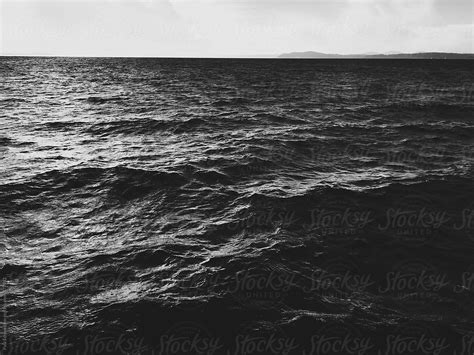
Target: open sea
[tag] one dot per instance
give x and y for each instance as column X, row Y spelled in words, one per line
column 236, row 206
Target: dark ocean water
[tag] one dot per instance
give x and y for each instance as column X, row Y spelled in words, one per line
column 176, row 206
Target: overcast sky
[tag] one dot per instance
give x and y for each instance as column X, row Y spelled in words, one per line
column 226, row 28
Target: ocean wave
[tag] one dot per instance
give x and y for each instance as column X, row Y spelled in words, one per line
column 12, row 100
column 146, row 126
column 235, row 101
column 98, row 100
column 12, row 270
column 118, row 182
column 279, row 196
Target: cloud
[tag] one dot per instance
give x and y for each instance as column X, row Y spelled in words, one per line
column 233, row 27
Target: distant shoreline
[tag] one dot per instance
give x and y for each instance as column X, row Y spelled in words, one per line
column 421, row 55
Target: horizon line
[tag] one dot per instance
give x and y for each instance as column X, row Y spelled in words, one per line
column 261, row 56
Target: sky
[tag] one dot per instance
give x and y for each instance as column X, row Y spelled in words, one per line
column 233, row 28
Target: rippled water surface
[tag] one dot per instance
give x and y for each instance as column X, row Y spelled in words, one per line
column 148, row 197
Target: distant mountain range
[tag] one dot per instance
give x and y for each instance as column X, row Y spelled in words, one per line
column 390, row 55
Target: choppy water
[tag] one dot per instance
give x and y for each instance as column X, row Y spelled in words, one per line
column 174, row 206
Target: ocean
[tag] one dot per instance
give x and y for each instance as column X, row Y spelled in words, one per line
column 236, row 206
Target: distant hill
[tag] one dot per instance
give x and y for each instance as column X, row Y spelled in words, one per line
column 310, row 55
column 433, row 55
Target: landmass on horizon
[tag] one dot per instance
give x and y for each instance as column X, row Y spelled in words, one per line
column 391, row 55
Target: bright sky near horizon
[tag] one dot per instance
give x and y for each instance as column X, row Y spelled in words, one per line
column 225, row 28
